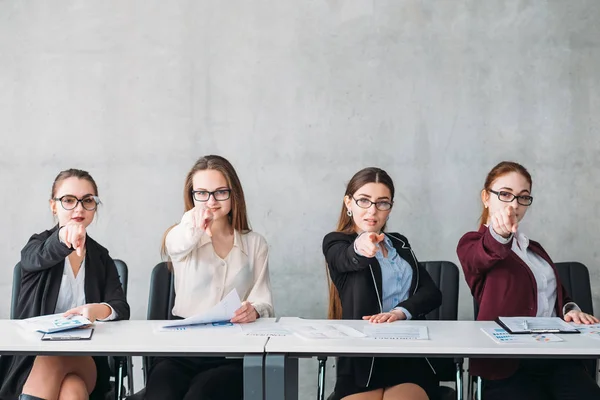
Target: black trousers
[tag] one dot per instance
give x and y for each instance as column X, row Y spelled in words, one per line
column 544, row 380
column 195, row 378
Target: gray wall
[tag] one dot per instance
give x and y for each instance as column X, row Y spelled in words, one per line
column 299, row 96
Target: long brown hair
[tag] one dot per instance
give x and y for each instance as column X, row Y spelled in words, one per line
column 238, row 217
column 503, row 168
column 346, row 224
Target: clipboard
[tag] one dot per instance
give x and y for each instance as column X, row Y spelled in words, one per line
column 527, row 325
column 73, row 334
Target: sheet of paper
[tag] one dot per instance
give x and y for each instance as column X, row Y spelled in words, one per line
column 53, row 323
column 523, row 324
column 325, row 331
column 500, row 335
column 265, row 329
column 214, row 327
column 396, row 331
column 223, row 311
column 591, row 331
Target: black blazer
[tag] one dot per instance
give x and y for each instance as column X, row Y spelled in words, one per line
column 358, row 281
column 42, row 261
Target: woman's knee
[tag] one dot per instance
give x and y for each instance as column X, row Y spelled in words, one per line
column 405, row 391
column 73, row 388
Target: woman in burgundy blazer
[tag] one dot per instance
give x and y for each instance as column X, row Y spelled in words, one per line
column 510, row 275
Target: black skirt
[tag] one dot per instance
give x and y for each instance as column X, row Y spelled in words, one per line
column 388, row 372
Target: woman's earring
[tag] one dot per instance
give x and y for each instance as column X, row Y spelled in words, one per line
column 349, row 212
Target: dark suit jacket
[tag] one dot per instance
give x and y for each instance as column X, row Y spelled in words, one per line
column 358, row 281
column 42, row 261
column 503, row 286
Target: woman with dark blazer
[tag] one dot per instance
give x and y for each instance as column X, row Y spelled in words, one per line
column 65, row 271
column 375, row 276
column 511, row 275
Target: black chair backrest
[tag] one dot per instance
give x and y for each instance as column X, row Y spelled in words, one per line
column 576, row 280
column 161, row 299
column 445, row 275
column 162, row 293
column 16, row 284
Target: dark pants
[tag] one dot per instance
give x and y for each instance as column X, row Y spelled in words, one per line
column 195, row 378
column 544, row 380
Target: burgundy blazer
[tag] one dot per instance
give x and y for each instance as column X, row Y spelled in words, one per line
column 503, row 285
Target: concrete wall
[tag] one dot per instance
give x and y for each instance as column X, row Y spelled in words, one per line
column 299, row 96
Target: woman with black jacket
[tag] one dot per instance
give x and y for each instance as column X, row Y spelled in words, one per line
column 375, row 276
column 65, row 271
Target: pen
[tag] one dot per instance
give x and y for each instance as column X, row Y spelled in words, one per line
column 545, row 330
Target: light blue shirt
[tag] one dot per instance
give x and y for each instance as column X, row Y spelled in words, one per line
column 396, row 277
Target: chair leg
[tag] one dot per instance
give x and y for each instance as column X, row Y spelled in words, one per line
column 130, row 387
column 321, row 378
column 459, row 378
column 119, row 380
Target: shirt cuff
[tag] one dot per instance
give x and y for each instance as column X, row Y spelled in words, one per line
column 405, row 311
column 499, row 238
column 570, row 306
column 112, row 316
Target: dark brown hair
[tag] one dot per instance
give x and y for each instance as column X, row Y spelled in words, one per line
column 237, row 216
column 346, row 224
column 72, row 173
column 503, row 168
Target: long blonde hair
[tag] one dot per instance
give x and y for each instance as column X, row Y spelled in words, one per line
column 238, row 217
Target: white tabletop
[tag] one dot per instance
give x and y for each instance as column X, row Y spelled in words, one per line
column 133, row 338
column 446, row 338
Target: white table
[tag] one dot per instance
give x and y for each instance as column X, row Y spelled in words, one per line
column 447, row 339
column 140, row 338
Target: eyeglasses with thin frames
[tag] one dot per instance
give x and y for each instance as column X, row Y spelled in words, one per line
column 69, row 202
column 508, row 197
column 381, row 205
column 218, row 195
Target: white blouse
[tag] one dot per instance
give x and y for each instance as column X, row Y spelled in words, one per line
column 72, row 290
column 202, row 278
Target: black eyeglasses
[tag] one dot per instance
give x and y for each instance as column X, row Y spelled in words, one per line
column 218, row 195
column 69, row 202
column 508, row 197
column 381, row 205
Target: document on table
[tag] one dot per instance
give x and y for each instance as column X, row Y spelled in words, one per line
column 267, row 329
column 325, row 331
column 214, row 327
column 396, row 330
column 500, row 335
column 528, row 325
column 223, row 311
column 54, row 323
column 591, row 331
